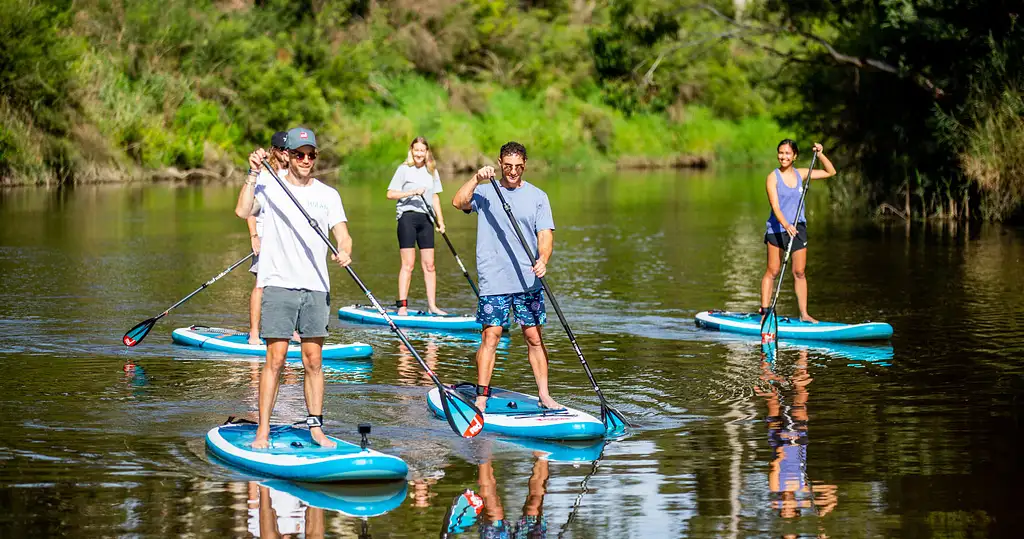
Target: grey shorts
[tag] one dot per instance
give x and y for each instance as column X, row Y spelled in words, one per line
column 285, row 310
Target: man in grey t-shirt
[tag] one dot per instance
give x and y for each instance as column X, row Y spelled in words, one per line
column 507, row 280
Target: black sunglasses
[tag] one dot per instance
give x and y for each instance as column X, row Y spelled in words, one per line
column 299, row 156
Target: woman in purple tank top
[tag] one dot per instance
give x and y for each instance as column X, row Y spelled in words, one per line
column 785, row 186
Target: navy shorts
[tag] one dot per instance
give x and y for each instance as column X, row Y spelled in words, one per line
column 528, row 306
column 781, row 239
column 414, row 228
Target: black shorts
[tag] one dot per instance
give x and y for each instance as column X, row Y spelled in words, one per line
column 415, row 228
column 781, row 239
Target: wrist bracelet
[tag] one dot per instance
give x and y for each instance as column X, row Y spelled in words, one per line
column 255, row 236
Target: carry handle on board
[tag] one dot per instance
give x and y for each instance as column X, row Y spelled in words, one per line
column 463, row 416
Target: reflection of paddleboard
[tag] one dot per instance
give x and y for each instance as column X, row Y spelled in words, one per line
column 793, row 328
column 293, row 455
column 415, row 319
column 236, row 342
column 876, row 353
column 561, row 451
column 462, row 513
column 359, row 500
column 516, row 414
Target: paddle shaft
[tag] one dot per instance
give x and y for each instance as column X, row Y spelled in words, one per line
column 206, row 284
column 547, row 289
column 391, row 323
column 433, row 220
column 789, row 247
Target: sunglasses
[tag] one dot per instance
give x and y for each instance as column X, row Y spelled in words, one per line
column 299, row 156
column 510, row 168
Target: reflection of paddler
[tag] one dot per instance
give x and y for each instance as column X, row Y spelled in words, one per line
column 532, row 523
column 790, row 486
column 281, row 515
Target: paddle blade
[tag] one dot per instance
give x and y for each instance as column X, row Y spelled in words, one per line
column 614, row 422
column 462, row 514
column 139, row 332
column 463, row 416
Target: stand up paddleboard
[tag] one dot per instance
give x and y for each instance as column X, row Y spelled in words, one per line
column 292, row 455
column 516, row 414
column 236, row 342
column 415, row 319
column 793, row 328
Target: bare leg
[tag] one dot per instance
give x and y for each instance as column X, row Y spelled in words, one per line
column 405, row 276
column 277, row 349
column 800, row 283
column 430, row 279
column 313, row 385
column 539, row 362
column 485, row 360
column 255, row 303
column 489, row 492
column 770, row 274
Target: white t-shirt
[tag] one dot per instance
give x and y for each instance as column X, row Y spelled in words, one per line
column 292, row 254
column 408, row 178
column 290, row 512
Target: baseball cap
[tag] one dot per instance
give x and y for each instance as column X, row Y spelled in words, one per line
column 279, row 139
column 299, row 137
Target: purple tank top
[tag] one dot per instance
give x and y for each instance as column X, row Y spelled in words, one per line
column 789, row 200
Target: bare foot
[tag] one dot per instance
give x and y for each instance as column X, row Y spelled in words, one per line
column 807, row 318
column 548, row 402
column 402, row 311
column 481, row 403
column 254, row 339
column 321, row 439
column 435, row 310
column 296, row 337
column 262, row 440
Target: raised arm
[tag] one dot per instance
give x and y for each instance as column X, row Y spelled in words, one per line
column 463, row 198
column 820, row 174
column 247, row 196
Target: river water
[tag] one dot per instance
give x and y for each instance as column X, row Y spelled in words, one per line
column 915, row 437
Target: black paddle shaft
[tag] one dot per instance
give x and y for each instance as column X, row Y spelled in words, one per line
column 547, row 289
column 789, row 247
column 433, row 219
column 359, row 282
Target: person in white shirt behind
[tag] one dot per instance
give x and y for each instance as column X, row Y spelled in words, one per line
column 293, row 273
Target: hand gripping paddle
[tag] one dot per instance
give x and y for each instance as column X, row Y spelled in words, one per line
column 463, row 416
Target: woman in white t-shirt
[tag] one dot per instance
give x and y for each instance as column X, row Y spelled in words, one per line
column 417, row 180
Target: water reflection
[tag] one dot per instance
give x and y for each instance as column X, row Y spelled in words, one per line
column 786, row 398
column 281, row 509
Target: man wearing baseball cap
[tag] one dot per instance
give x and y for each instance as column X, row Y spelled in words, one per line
column 293, row 272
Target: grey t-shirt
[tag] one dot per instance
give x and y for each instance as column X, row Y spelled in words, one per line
column 501, row 264
column 409, row 178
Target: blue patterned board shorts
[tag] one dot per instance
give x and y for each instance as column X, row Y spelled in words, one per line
column 529, row 308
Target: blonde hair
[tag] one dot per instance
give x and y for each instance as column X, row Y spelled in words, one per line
column 431, row 165
column 278, row 164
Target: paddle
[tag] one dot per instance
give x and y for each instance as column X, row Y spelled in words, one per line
column 614, row 422
column 433, row 220
column 136, row 334
column 463, row 416
column 771, row 319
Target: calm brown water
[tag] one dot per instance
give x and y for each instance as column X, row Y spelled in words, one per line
column 916, row 437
